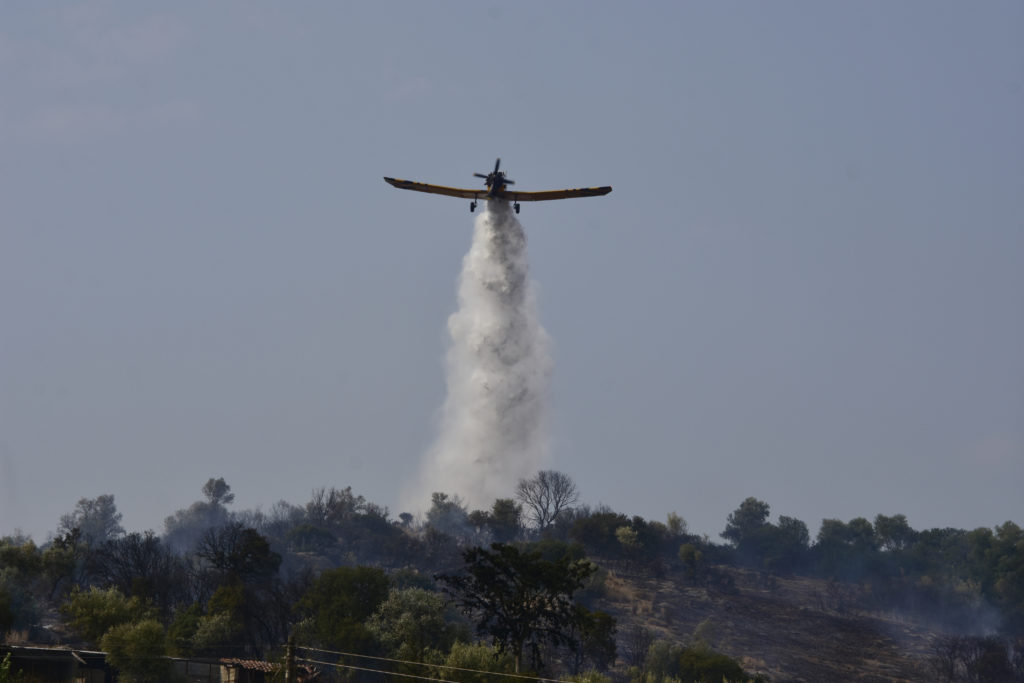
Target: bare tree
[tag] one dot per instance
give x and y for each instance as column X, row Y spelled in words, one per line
column 546, row 495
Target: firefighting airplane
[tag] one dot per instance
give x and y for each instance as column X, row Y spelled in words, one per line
column 497, row 189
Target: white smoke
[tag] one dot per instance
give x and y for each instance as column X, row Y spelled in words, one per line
column 492, row 430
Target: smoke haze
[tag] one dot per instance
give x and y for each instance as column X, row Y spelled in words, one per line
column 492, row 429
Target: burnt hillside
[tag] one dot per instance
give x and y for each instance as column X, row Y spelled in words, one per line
column 792, row 629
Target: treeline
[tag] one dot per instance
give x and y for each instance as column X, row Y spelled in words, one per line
column 342, row 574
column 968, row 581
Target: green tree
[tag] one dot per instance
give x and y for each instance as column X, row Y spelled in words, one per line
column 411, row 621
column 466, row 661
column 787, row 545
column 338, row 605
column 628, row 539
column 6, row 675
column 846, row 549
column 597, row 532
column 138, row 651
column 182, row 630
column 93, row 612
column 693, row 562
column 519, row 599
column 893, row 533
column 589, row 677
column 671, row 662
column 676, row 525
column 595, row 640
column 213, row 632
column 746, row 521
column 506, row 520
column 22, row 584
column 1006, row 560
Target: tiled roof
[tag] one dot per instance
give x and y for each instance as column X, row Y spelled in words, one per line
column 251, row 664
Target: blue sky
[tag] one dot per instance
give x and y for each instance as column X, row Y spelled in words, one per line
column 805, row 287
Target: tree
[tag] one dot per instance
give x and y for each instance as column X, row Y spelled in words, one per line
column 96, row 518
column 411, row 621
column 789, row 542
column 519, row 599
column 184, row 527
column 1006, row 563
column 546, row 495
column 238, row 553
column 138, row 651
column 218, row 492
column 6, row 675
column 746, row 521
column 333, row 508
column 465, row 660
column 694, row 567
column 141, row 565
column 598, row 532
column 506, row 520
column 666, row 661
column 846, row 550
column 893, row 533
column 21, row 584
column 64, row 562
column 93, row 612
column 676, row 525
column 448, row 515
column 596, row 640
column 338, row 605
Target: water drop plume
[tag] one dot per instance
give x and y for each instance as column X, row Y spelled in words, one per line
column 492, row 428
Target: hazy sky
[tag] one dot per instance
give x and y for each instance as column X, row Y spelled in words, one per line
column 807, row 285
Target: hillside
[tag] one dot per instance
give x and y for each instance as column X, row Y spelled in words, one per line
column 792, row 629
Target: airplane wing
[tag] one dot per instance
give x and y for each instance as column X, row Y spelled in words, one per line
column 555, row 194
column 436, row 189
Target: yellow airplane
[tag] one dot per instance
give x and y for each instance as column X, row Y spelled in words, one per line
column 497, row 189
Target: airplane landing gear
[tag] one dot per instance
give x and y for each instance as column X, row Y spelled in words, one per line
column 472, row 207
column 516, row 207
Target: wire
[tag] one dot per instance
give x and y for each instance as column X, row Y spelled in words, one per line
column 378, row 671
column 436, row 666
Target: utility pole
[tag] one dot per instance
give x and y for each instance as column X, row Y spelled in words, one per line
column 289, row 661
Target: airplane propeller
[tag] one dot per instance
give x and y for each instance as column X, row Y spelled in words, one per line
column 494, row 174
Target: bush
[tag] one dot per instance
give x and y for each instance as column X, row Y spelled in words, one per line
column 667, row 662
column 138, row 651
column 93, row 612
column 478, row 658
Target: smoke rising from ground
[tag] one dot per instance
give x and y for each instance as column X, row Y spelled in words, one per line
column 492, row 429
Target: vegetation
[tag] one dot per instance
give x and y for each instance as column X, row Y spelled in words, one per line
column 138, row 650
column 521, row 600
column 528, row 576
column 6, row 675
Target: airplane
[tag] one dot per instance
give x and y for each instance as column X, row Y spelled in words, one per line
column 497, row 185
